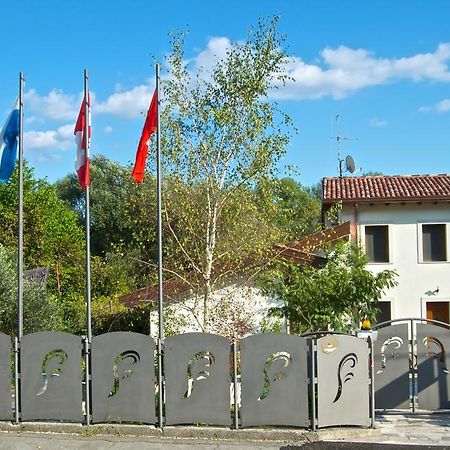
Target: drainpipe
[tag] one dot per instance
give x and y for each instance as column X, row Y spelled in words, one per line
column 354, row 233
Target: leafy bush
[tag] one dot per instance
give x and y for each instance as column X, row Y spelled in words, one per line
column 40, row 311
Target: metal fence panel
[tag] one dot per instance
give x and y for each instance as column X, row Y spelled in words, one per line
column 342, row 381
column 6, row 412
column 274, row 380
column 433, row 347
column 123, row 377
column 391, row 355
column 51, row 376
column 197, row 374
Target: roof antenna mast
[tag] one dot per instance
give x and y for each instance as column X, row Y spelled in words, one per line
column 349, row 162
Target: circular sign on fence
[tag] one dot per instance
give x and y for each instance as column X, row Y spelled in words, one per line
column 329, row 346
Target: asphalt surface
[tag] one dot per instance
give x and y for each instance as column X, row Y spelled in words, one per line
column 58, row 442
column 356, row 446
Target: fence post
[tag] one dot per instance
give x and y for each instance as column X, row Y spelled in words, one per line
column 87, row 400
column 160, row 350
column 313, row 348
column 235, row 386
column 372, row 383
column 16, row 379
column 413, row 363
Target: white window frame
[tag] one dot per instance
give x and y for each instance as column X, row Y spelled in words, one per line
column 430, row 299
column 362, row 234
column 420, row 242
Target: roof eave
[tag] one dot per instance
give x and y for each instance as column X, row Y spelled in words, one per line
column 437, row 199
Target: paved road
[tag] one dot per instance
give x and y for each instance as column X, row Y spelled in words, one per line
column 27, row 441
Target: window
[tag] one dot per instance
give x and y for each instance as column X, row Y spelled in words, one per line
column 434, row 242
column 377, row 243
column 384, row 312
column 438, row 311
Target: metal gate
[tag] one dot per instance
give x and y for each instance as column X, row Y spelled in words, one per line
column 410, row 365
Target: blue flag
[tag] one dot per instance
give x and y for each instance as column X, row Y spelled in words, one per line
column 8, row 142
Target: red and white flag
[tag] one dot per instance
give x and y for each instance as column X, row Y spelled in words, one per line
column 150, row 126
column 82, row 161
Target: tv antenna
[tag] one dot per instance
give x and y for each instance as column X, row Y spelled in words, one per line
column 349, row 162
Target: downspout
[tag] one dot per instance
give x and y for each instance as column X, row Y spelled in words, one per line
column 355, row 223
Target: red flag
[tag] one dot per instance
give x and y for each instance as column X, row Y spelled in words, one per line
column 82, row 161
column 150, row 126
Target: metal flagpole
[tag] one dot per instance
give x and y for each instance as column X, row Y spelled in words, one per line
column 160, row 272
column 19, row 258
column 88, row 251
column 20, row 238
column 87, row 214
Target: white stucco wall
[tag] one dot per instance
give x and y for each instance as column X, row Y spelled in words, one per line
column 251, row 298
column 417, row 279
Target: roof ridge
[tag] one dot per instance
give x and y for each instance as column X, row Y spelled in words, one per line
column 414, row 175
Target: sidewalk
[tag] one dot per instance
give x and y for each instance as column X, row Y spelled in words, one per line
column 418, row 429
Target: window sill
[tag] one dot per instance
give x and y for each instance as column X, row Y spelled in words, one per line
column 434, row 262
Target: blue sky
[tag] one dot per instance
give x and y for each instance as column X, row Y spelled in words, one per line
column 383, row 66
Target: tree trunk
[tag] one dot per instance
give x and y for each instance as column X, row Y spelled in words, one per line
column 209, row 257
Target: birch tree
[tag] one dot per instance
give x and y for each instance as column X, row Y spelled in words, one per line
column 221, row 134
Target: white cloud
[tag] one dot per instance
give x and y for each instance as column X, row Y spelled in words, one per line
column 344, row 70
column 108, row 129
column 48, row 157
column 377, row 122
column 442, row 106
column 55, row 105
column 215, row 50
column 60, row 139
column 340, row 72
column 32, row 119
column 128, row 104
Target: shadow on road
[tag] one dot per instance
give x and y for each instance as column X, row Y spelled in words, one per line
column 358, row 446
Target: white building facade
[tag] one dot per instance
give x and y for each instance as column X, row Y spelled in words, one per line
column 403, row 223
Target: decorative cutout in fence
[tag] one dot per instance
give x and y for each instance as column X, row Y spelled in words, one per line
column 391, row 351
column 123, row 381
column 411, row 365
column 342, row 386
column 274, row 380
column 197, row 373
column 433, row 344
column 51, row 376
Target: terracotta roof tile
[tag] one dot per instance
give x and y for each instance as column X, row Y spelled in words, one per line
column 300, row 251
column 383, row 188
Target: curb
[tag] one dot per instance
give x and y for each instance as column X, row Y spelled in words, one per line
column 191, row 432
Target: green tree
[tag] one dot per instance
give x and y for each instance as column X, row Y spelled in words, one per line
column 337, row 296
column 52, row 236
column 123, row 217
column 221, row 135
column 293, row 209
column 118, row 208
column 41, row 312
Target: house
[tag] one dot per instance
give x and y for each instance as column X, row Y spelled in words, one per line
column 403, row 223
column 184, row 305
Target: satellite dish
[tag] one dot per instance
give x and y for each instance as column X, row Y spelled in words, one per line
column 349, row 164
